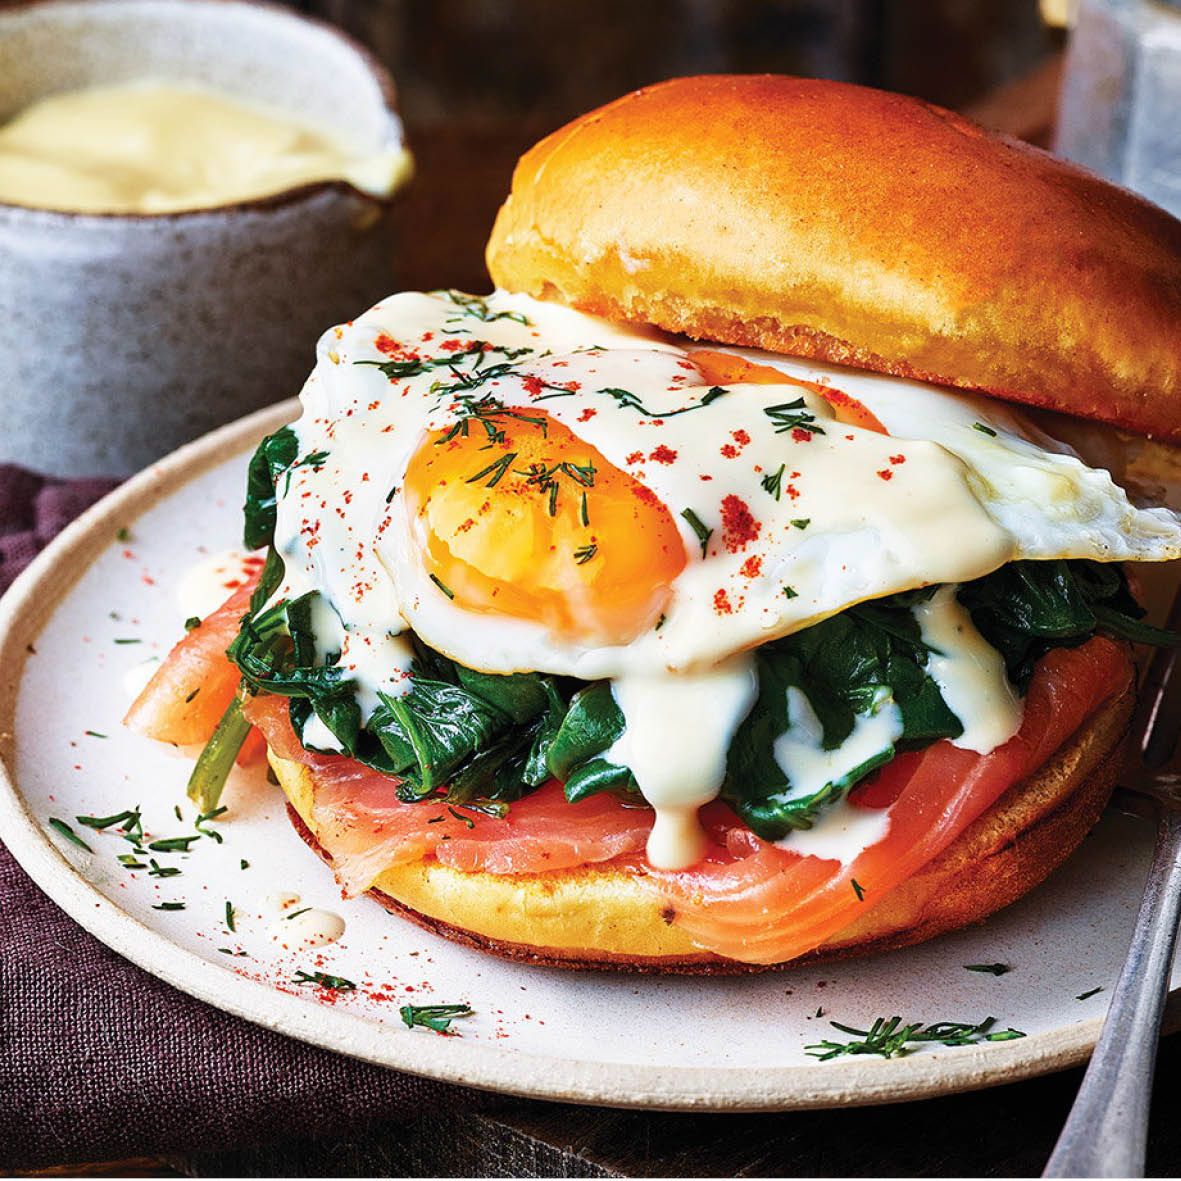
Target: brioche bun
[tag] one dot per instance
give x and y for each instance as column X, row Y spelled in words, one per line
column 604, row 918
column 857, row 227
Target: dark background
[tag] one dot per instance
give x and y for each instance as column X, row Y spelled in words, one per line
column 479, row 81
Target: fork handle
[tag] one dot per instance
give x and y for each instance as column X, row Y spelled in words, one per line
column 1107, row 1131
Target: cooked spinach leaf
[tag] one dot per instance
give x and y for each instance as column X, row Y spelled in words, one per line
column 476, row 738
column 275, row 455
column 591, row 725
column 1026, row 608
column 848, row 667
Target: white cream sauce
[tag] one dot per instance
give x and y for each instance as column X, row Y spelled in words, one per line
column 678, row 732
column 800, row 752
column 304, row 929
column 969, row 672
column 207, row 584
column 841, row 832
column 859, row 515
column 300, row 927
column 154, row 147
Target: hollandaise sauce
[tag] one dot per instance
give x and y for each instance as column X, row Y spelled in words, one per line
column 526, row 489
column 155, row 147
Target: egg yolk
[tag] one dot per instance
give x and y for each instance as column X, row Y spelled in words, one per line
column 535, row 524
column 727, row 369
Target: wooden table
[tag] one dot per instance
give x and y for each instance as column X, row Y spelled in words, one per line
column 1007, row 1131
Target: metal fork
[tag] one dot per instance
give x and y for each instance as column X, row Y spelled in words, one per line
column 1106, row 1132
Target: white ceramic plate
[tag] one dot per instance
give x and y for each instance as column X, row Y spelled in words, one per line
column 720, row 1044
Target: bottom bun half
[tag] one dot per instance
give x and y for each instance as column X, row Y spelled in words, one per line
column 597, row 917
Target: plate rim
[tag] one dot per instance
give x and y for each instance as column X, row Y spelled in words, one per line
column 32, row 600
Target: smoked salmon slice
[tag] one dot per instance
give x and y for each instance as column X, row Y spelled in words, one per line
column 185, row 699
column 364, row 826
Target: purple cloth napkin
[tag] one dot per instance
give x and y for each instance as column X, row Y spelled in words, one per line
column 99, row 1060
column 33, row 509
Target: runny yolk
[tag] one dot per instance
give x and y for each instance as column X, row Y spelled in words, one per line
column 727, row 369
column 539, row 526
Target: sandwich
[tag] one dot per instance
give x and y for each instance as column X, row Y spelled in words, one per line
column 711, row 595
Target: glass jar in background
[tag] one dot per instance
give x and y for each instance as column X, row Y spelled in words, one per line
column 1120, row 113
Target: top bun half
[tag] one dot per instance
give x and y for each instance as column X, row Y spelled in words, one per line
column 858, row 227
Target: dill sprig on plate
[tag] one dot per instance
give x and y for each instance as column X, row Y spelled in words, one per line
column 889, row 1038
column 436, row 1017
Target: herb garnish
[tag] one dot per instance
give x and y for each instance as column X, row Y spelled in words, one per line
column 436, row 1017
column 545, row 479
column 984, row 430
column 790, row 592
column 630, row 401
column 773, row 481
column 889, row 1038
column 460, row 816
column 442, row 586
column 169, row 906
column 60, row 826
column 585, row 553
column 1082, row 996
column 173, row 844
column 477, row 308
column 801, row 522
column 205, row 818
column 95, row 734
column 296, row 913
column 313, row 459
column 991, row 969
column 324, row 980
column 162, row 871
column 698, row 527
column 858, row 889
column 192, row 623
column 487, row 411
column 129, row 819
column 793, row 416
column 494, row 471
column 230, row 917
column 464, row 380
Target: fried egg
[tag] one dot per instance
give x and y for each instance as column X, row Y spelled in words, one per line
column 528, row 488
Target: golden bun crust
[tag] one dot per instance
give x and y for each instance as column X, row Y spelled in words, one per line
column 603, row 918
column 857, row 227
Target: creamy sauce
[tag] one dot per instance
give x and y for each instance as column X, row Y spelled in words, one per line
column 161, row 148
column 303, row 929
column 841, row 833
column 856, row 515
column 678, row 732
column 969, row 672
column 207, row 584
column 800, row 752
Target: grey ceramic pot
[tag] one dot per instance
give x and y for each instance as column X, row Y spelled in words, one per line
column 122, row 336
